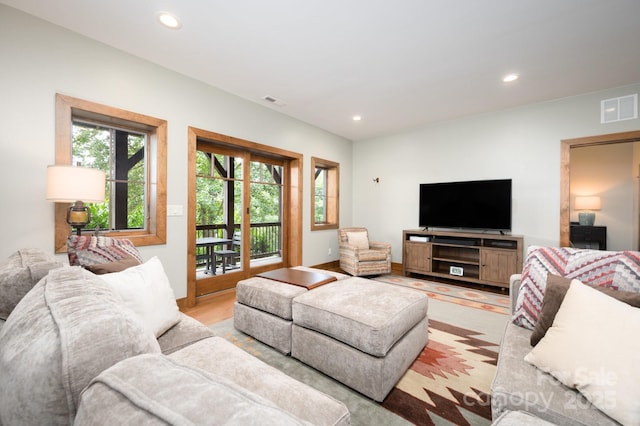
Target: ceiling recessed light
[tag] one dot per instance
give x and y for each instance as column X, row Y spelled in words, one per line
column 510, row 77
column 169, row 20
column 357, row 118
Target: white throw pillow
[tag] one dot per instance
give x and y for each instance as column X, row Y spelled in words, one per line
column 146, row 290
column 358, row 239
column 592, row 346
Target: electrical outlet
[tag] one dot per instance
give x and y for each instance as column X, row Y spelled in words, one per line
column 329, row 252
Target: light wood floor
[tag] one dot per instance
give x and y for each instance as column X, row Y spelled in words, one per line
column 213, row 308
column 218, row 307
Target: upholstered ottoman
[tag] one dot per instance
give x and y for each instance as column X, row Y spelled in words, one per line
column 263, row 308
column 360, row 332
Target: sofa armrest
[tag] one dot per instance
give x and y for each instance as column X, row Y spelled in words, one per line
column 347, row 246
column 186, row 332
column 514, row 289
column 127, row 394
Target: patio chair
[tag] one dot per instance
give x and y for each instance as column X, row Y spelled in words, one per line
column 361, row 257
column 229, row 257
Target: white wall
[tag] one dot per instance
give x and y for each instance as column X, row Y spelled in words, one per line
column 521, row 143
column 40, row 60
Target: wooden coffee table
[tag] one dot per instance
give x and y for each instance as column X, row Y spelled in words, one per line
column 297, row 277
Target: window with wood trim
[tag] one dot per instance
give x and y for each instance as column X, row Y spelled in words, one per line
column 325, row 198
column 131, row 149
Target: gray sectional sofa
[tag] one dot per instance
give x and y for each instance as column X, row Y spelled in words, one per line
column 548, row 275
column 72, row 353
column 519, row 386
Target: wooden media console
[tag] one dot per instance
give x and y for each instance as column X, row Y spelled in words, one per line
column 465, row 256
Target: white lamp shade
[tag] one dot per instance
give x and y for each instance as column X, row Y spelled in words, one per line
column 588, row 203
column 72, row 183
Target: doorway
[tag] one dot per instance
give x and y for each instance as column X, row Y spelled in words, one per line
column 567, row 146
column 244, row 211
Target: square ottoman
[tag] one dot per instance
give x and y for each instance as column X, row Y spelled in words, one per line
column 360, row 332
column 263, row 308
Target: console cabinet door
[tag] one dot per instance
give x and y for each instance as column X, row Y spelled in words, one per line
column 498, row 266
column 417, row 257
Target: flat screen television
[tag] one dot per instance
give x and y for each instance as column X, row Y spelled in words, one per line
column 474, row 205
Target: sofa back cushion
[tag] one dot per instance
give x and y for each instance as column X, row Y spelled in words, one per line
column 19, row 273
column 613, row 269
column 596, row 354
column 146, row 290
column 554, row 295
column 68, row 329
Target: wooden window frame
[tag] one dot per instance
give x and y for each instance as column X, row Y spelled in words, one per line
column 332, row 197
column 68, row 108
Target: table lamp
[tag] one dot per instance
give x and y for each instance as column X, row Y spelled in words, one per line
column 78, row 185
column 588, row 217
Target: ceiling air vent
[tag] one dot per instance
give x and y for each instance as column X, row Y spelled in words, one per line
column 273, row 101
column 618, row 109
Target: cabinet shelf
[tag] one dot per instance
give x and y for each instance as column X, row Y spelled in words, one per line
column 452, row 260
column 479, row 258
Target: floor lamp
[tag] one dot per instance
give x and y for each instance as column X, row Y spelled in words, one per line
column 77, row 185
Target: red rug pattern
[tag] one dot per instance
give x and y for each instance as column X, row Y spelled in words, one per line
column 450, row 379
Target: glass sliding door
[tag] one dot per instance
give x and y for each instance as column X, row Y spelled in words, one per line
column 266, row 194
column 219, row 199
column 244, row 214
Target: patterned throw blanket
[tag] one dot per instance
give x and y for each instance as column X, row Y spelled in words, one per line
column 614, row 269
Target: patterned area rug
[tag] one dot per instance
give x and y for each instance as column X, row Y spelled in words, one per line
column 472, row 298
column 448, row 384
column 449, row 381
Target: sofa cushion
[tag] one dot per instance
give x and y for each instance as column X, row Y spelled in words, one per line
column 84, row 250
column 519, row 385
column 174, row 394
column 145, row 289
column 598, row 358
column 554, row 295
column 372, row 255
column 186, row 332
column 358, row 239
column 19, row 273
column 338, row 311
column 70, row 327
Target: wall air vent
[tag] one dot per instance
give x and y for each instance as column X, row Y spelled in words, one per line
column 273, row 101
column 619, row 109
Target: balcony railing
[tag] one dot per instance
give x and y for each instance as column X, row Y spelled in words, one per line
column 265, row 239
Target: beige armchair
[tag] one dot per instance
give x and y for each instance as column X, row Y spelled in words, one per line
column 359, row 256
